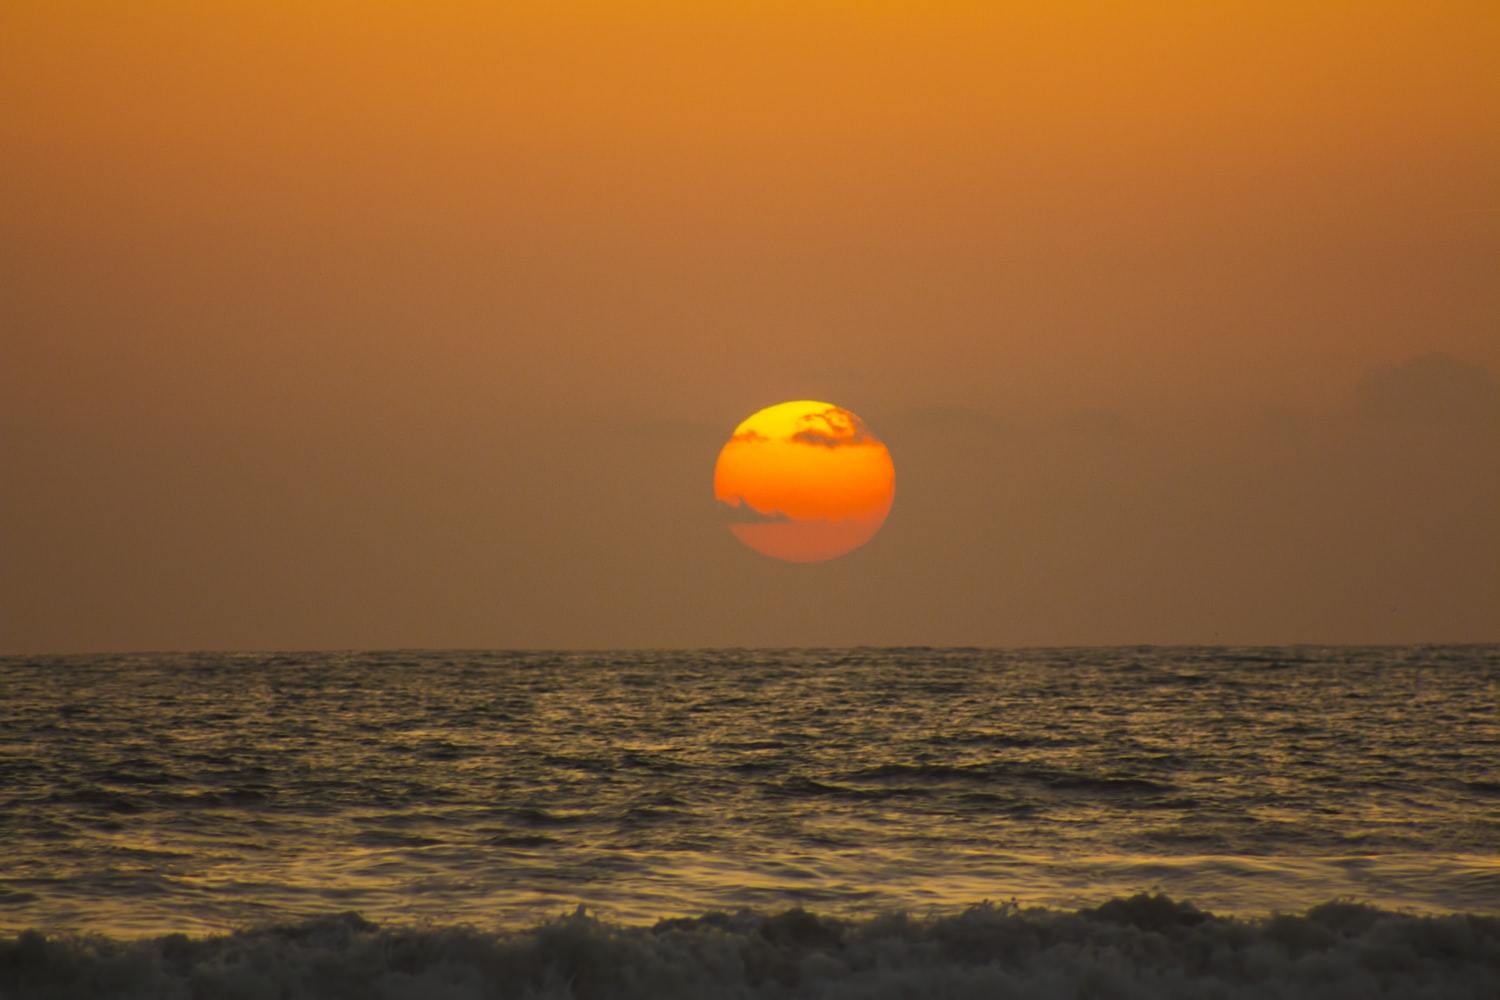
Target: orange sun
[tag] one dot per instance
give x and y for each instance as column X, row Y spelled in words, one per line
column 804, row 481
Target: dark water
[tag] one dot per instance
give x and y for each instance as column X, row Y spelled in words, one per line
column 150, row 794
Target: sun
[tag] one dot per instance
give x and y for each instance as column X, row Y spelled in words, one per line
column 804, row 481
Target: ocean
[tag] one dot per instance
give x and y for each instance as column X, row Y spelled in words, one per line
column 1144, row 821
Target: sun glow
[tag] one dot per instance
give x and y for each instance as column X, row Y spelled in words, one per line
column 804, row 481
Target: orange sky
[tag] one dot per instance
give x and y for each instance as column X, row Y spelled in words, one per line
column 381, row 324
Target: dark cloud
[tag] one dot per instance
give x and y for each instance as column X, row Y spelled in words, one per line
column 1431, row 389
column 739, row 511
column 835, row 427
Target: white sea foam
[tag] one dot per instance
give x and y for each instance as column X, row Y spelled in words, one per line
column 1144, row 946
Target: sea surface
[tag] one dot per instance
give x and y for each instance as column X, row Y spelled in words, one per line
column 207, row 793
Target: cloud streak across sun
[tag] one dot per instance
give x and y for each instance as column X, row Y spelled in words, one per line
column 834, row 427
column 818, row 482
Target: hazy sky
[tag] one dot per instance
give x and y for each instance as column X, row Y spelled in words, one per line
column 421, row 324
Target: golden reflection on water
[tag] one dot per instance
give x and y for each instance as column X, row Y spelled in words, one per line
column 195, row 793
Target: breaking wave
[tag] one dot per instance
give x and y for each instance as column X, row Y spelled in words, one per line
column 1146, row 946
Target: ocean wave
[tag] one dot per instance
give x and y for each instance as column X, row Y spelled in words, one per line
column 1142, row 946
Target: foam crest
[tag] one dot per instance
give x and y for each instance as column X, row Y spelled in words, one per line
column 1144, row 946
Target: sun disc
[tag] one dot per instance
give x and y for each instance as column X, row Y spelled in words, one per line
column 804, row 481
